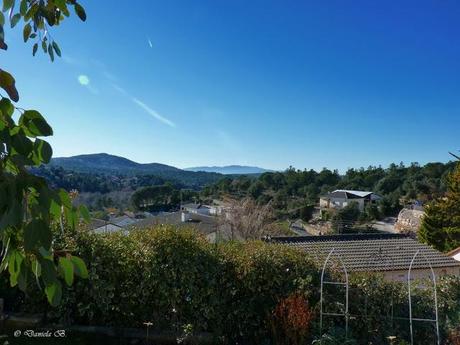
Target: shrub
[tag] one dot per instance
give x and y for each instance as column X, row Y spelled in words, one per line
column 291, row 320
column 245, row 293
column 454, row 336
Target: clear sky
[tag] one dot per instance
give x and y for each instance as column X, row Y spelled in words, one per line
column 310, row 84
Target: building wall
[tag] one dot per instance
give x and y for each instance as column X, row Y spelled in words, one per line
column 215, row 210
column 202, row 210
column 340, row 203
column 456, row 256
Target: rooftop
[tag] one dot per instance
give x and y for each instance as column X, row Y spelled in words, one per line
column 194, row 206
column 204, row 224
column 370, row 252
column 351, row 194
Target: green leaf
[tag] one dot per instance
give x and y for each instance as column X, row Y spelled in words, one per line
column 61, row 4
column 26, row 32
column 66, row 267
column 49, row 274
column 7, row 4
column 43, row 150
column 37, row 234
column 23, row 7
column 34, row 124
column 3, row 45
column 7, row 83
column 14, row 266
column 36, row 268
column 65, row 199
column 45, row 253
column 31, row 11
column 71, row 217
column 15, row 19
column 34, row 49
column 2, row 19
column 6, row 107
column 54, row 293
column 56, row 48
column 80, row 12
column 55, row 209
column 22, row 278
column 51, row 52
column 22, row 144
column 85, row 213
column 79, row 267
column 44, row 47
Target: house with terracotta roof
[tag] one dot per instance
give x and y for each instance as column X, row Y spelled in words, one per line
column 387, row 254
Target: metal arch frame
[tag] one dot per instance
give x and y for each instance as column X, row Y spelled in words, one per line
column 411, row 319
column 345, row 315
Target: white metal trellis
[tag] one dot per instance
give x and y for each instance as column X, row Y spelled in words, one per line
column 411, row 319
column 322, row 313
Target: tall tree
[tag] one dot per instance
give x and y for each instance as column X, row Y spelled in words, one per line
column 28, row 207
column 441, row 224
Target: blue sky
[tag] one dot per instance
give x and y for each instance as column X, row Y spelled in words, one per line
column 269, row 83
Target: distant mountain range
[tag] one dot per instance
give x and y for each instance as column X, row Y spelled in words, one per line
column 230, row 169
column 103, row 163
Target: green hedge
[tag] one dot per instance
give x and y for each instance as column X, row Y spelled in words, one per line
column 176, row 279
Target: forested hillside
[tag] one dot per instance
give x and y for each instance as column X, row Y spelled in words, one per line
column 293, row 188
column 99, row 191
column 103, row 163
column 286, row 191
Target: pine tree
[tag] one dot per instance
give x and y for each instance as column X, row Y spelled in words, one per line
column 440, row 226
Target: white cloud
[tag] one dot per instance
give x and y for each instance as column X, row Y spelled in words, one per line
column 144, row 106
column 152, row 112
column 150, row 42
column 119, row 89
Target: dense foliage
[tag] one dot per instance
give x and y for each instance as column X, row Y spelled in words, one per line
column 250, row 293
column 292, row 189
column 99, row 191
column 160, row 198
column 291, row 193
column 28, row 206
column 441, row 224
column 94, row 182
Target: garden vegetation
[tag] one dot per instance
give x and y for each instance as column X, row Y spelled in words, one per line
column 240, row 292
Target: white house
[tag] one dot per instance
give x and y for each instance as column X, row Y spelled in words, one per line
column 455, row 254
column 197, row 209
column 341, row 198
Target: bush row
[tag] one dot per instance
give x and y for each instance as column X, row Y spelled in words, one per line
column 240, row 292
